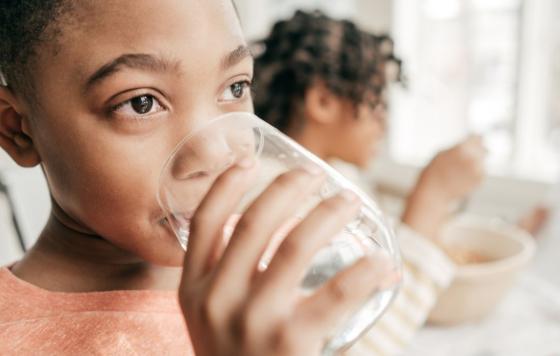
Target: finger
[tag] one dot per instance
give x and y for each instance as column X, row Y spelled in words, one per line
column 343, row 295
column 475, row 146
column 293, row 257
column 266, row 215
column 212, row 214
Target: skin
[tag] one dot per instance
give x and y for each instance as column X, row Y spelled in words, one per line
column 332, row 129
column 111, row 160
column 450, row 177
column 535, row 221
column 102, row 159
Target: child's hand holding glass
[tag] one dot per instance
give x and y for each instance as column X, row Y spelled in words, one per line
column 284, row 256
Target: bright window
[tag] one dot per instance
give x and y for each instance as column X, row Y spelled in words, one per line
column 474, row 66
column 482, row 66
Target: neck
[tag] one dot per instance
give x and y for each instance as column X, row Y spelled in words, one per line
column 66, row 259
column 313, row 142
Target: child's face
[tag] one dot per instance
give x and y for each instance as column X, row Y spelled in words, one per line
column 361, row 134
column 179, row 60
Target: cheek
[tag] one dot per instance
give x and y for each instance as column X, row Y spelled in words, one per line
column 367, row 136
column 109, row 187
column 371, row 132
column 113, row 194
column 377, row 133
column 99, row 181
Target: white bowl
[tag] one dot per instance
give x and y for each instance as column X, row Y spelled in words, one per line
column 479, row 287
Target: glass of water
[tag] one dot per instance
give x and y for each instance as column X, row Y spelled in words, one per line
column 217, row 144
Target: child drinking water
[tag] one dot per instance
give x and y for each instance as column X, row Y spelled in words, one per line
column 98, row 93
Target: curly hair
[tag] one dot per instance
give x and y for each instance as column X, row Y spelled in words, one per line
column 24, row 24
column 311, row 46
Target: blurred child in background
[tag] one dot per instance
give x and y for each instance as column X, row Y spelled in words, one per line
column 322, row 82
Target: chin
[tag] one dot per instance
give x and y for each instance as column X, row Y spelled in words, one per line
column 162, row 248
column 165, row 257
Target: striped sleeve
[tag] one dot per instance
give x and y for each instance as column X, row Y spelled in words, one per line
column 427, row 271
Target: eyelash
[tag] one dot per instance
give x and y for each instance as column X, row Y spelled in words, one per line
column 115, row 110
column 153, row 101
column 246, row 84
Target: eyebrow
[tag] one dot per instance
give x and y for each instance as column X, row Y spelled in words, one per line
column 154, row 63
column 131, row 60
column 236, row 56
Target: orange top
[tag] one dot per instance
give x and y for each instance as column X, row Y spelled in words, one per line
column 34, row 321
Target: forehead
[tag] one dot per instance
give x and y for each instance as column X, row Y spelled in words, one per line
column 93, row 32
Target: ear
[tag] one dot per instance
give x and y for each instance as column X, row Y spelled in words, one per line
column 15, row 136
column 322, row 105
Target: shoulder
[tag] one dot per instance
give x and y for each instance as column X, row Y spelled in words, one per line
column 13, row 296
column 36, row 321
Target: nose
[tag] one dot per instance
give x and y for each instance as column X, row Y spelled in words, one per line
column 192, row 170
column 214, row 147
column 206, row 154
column 202, row 156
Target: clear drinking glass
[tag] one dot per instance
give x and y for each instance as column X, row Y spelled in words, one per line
column 210, row 149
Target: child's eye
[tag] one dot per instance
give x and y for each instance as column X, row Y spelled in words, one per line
column 138, row 107
column 236, row 91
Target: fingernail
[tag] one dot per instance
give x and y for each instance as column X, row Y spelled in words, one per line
column 349, row 196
